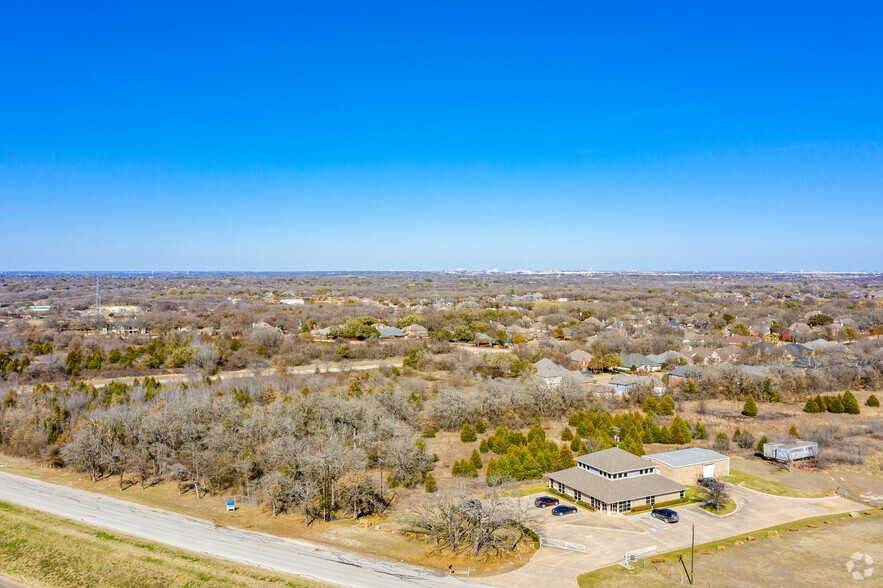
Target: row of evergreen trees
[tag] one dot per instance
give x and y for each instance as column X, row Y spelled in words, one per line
column 837, row 404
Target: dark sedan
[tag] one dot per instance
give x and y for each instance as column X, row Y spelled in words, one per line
column 544, row 501
column 563, row 510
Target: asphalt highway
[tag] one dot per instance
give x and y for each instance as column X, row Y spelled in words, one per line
column 299, row 558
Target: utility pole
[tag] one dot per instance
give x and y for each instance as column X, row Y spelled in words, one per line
column 325, row 488
column 380, row 461
column 692, row 551
column 97, row 297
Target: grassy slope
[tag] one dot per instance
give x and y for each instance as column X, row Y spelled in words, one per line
column 45, row 550
column 770, row 487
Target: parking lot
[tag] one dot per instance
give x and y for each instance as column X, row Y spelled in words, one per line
column 608, row 537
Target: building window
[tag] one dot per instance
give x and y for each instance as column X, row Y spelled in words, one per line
column 683, row 493
column 560, row 487
column 577, row 494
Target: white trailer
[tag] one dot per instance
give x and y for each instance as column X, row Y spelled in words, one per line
column 790, row 452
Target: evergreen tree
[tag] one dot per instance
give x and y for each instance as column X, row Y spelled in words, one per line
column 761, row 443
column 467, row 433
column 811, row 406
column 836, row 405
column 677, row 433
column 429, row 484
column 576, row 445
column 483, row 446
column 650, row 405
column 567, row 435
column 850, row 404
column 475, row 459
column 822, row 403
column 750, row 408
column 872, row 401
column 648, row 436
column 736, row 434
column 699, row 431
column 664, row 436
column 769, row 394
column 480, row 427
column 793, row 432
column 667, row 406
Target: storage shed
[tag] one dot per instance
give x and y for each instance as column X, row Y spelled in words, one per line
column 788, row 452
column 688, row 465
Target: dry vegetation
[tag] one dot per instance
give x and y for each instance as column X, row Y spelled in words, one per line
column 44, row 550
column 105, row 395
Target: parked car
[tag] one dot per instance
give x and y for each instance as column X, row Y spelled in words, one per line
column 563, row 510
column 544, row 501
column 665, row 514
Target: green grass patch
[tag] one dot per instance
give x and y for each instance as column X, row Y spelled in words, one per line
column 107, row 536
column 770, row 487
column 188, row 557
column 8, row 507
column 147, row 546
column 728, row 507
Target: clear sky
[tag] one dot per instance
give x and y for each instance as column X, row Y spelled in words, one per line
column 441, row 135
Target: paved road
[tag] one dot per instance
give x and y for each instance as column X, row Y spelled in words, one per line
column 607, row 538
column 298, row 558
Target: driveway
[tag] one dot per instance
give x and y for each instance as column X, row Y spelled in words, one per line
column 607, row 538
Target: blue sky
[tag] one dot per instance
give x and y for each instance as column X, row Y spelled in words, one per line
column 138, row 136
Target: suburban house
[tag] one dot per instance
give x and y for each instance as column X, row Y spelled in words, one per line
column 640, row 362
column 614, row 480
column 416, row 331
column 390, row 332
column 555, row 376
column 623, row 383
column 580, row 358
column 669, row 358
column 688, row 465
column 683, row 374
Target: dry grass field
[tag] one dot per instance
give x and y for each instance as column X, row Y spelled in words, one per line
column 40, row 549
column 812, row 552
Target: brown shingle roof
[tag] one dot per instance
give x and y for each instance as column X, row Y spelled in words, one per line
column 611, row 491
column 614, row 460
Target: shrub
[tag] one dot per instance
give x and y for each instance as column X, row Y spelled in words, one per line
column 835, row 406
column 850, row 404
column 750, row 408
column 467, row 433
column 811, row 406
column 483, row 446
column 746, row 440
column 567, row 435
column 872, row 401
column 699, row 431
column 667, row 406
column 480, row 427
column 793, row 432
column 430, row 484
column 761, row 443
column 721, row 443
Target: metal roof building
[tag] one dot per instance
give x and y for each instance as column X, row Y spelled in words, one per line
column 688, row 465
